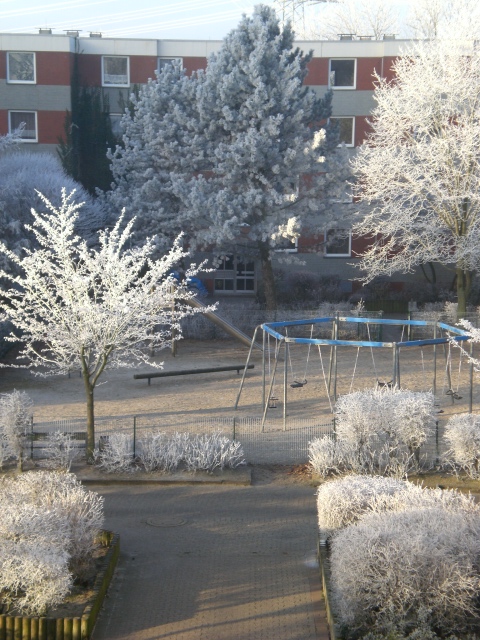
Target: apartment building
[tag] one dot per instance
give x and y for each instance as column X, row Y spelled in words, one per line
column 36, row 75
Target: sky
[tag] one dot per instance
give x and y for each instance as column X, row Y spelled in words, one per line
column 172, row 19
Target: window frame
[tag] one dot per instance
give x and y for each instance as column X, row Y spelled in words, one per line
column 109, row 84
column 342, row 87
column 12, row 130
column 170, row 58
column 337, row 255
column 351, row 144
column 34, row 57
column 234, row 275
column 288, row 249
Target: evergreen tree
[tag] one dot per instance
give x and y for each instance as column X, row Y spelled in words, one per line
column 259, row 145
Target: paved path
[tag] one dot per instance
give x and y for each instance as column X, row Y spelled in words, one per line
column 213, row 563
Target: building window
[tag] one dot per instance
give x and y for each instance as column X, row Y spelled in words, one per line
column 338, row 243
column 164, row 62
column 116, row 71
column 286, row 245
column 342, row 73
column 346, row 130
column 235, row 274
column 115, row 120
column 21, row 67
column 25, row 122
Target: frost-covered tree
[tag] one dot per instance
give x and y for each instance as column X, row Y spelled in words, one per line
column 22, row 175
column 357, row 17
column 15, row 420
column 439, row 18
column 157, row 134
column 235, row 148
column 260, row 150
column 90, row 309
column 418, row 172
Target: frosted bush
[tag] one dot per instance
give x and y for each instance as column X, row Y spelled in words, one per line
column 15, row 420
column 335, row 457
column 390, row 423
column 325, row 456
column 63, row 495
column 116, row 454
column 60, row 450
column 34, row 572
column 390, row 566
column 158, row 451
column 342, row 502
column 210, row 452
column 462, row 434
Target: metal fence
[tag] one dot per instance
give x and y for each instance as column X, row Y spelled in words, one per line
column 270, row 444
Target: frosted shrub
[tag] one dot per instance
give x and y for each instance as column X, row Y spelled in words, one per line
column 60, row 450
column 386, row 426
column 462, row 434
column 34, row 572
column 391, row 566
column 15, row 419
column 342, row 502
column 161, row 452
column 158, row 451
column 48, row 529
column 210, row 452
column 325, row 456
column 116, row 454
column 62, row 494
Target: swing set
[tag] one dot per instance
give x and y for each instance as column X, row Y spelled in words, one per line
column 279, row 337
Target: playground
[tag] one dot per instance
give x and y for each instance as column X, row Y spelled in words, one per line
column 205, row 401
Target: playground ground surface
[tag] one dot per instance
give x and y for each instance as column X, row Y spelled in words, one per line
column 180, row 399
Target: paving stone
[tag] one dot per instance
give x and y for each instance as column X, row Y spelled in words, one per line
column 213, row 563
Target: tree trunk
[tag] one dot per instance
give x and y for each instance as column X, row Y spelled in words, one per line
column 268, row 278
column 464, row 283
column 89, row 389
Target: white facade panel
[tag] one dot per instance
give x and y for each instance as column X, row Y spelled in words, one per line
column 36, row 42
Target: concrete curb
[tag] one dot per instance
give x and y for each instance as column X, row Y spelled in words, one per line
column 90, row 475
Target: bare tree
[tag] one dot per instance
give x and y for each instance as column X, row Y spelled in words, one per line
column 418, row 171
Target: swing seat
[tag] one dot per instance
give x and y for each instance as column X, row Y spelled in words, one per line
column 383, row 384
column 451, row 392
column 296, row 384
column 272, row 402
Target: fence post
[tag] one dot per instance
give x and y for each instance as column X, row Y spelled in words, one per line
column 436, row 442
column 234, row 427
column 134, row 434
column 31, row 438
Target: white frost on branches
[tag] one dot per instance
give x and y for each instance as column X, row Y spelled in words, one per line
column 15, row 420
column 402, row 557
column 91, row 309
column 462, row 433
column 158, row 451
column 48, row 529
column 377, row 431
column 390, row 567
column 418, row 173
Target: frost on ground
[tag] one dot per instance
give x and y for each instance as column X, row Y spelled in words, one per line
column 48, row 529
column 403, row 558
column 157, row 451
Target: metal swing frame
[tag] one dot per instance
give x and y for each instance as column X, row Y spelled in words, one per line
column 283, row 342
